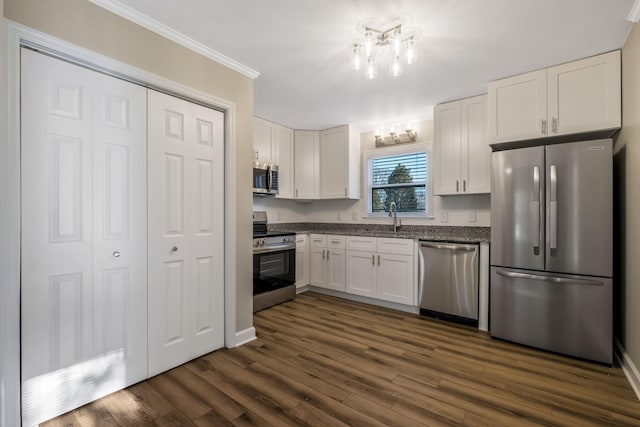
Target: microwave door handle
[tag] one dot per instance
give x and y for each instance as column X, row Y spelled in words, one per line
column 269, row 178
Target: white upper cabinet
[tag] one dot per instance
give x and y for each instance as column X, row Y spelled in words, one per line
column 307, row 164
column 264, row 140
column 585, row 95
column 580, row 96
column 339, row 163
column 284, row 159
column 461, row 154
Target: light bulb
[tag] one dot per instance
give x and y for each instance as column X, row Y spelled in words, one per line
column 369, row 42
column 395, row 66
column 356, row 58
column 412, row 54
column 371, row 72
column 396, row 40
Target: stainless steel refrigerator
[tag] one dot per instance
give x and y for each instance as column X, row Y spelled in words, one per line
column 551, row 248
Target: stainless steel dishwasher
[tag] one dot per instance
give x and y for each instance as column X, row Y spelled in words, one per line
column 449, row 281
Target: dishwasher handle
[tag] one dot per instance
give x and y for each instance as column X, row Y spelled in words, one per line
column 449, row 246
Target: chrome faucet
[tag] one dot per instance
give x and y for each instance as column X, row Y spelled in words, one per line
column 393, row 210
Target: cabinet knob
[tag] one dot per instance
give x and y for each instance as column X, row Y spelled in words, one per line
column 174, row 249
column 116, row 254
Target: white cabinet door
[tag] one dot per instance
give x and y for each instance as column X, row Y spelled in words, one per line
column 302, row 260
column 186, row 231
column 585, row 95
column 83, row 272
column 447, row 149
column 317, row 266
column 334, row 166
column 476, row 153
column 396, row 281
column 307, row 164
column 264, row 140
column 361, row 273
column 284, row 159
column 517, row 107
column 336, row 269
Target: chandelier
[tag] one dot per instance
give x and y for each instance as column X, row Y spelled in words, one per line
column 398, row 46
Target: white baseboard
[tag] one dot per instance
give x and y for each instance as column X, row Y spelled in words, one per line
column 301, row 289
column 628, row 367
column 244, row 337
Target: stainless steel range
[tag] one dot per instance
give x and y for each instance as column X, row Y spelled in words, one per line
column 274, row 264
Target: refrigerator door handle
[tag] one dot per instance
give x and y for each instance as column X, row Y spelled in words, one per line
column 535, row 206
column 560, row 280
column 553, row 208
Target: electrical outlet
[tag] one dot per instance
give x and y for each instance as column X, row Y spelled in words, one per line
column 471, row 216
column 444, row 217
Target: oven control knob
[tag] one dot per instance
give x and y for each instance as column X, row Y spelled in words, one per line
column 262, row 242
column 285, row 240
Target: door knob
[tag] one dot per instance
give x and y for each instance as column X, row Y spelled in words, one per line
column 116, row 254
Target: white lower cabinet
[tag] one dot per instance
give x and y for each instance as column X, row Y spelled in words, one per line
column 383, row 270
column 327, row 262
column 302, row 260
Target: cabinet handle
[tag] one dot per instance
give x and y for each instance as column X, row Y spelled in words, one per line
column 464, row 185
column 296, row 192
column 457, row 185
column 323, row 254
column 373, row 260
column 378, row 259
column 328, row 255
column 554, row 125
column 544, row 127
column 345, row 191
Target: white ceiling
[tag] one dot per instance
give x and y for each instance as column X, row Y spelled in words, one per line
column 301, row 49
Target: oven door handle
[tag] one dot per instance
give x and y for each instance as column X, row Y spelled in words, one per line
column 277, row 248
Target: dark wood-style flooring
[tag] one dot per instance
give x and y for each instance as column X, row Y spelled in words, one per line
column 324, row 361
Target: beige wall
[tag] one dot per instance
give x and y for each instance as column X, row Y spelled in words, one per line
column 627, row 175
column 89, row 26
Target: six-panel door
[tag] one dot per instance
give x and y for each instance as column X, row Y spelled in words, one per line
column 186, row 234
column 83, row 279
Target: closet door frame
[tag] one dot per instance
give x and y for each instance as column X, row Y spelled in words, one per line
column 16, row 36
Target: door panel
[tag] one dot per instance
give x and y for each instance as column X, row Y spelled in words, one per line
column 336, row 270
column 186, row 233
column 476, row 152
column 579, row 208
column 361, row 273
column 517, row 208
column 447, row 149
column 395, row 278
column 567, row 314
column 83, row 279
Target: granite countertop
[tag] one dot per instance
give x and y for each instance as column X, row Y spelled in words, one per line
column 423, row 232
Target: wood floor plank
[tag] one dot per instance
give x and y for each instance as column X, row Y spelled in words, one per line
column 323, row 361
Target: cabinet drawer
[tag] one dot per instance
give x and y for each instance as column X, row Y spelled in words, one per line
column 335, row 242
column 389, row 245
column 357, row 243
column 301, row 239
column 318, row 241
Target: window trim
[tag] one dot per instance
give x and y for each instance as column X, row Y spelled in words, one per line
column 396, row 151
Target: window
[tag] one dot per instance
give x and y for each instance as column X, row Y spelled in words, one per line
column 398, row 175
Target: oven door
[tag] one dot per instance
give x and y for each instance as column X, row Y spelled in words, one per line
column 273, row 270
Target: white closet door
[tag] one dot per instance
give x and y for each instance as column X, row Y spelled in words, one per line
column 186, row 231
column 83, row 185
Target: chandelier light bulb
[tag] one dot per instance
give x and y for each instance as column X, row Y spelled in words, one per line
column 395, row 66
column 396, row 40
column 371, row 72
column 412, row 54
column 369, row 42
column 356, row 58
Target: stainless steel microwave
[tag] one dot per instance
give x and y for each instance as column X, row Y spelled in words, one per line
column 265, row 179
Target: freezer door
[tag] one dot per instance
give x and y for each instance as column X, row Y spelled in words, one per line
column 579, row 208
column 517, row 208
column 567, row 314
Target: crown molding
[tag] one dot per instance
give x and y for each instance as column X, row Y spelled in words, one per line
column 634, row 14
column 143, row 20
